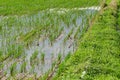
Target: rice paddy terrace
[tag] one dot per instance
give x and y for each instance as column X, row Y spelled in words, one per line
column 59, row 40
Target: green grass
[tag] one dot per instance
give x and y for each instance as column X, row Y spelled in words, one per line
column 98, row 54
column 18, row 7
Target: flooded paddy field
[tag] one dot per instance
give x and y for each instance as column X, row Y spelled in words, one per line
column 34, row 44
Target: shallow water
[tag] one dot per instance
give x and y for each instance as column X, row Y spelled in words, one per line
column 51, row 51
column 43, row 44
column 58, row 47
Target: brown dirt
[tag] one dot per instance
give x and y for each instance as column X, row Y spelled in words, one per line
column 113, row 4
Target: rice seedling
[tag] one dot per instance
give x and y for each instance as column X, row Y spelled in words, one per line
column 23, row 67
column 54, row 34
column 59, row 57
column 3, row 58
column 13, row 51
column 13, row 69
column 69, row 35
column 66, row 19
column 1, row 66
column 60, row 31
column 76, row 33
column 28, row 38
column 53, row 64
column 42, row 57
column 32, row 69
column 34, row 58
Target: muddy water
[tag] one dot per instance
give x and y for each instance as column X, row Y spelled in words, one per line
column 60, row 46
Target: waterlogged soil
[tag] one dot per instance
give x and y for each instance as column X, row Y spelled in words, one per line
column 48, row 51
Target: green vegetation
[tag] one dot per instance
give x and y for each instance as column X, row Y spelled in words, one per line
column 98, row 56
column 18, row 7
column 33, row 58
column 42, row 57
column 60, row 39
column 23, row 67
column 13, row 69
column 118, row 16
column 59, row 57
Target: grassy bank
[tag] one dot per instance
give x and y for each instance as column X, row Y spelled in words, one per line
column 18, row 7
column 98, row 56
